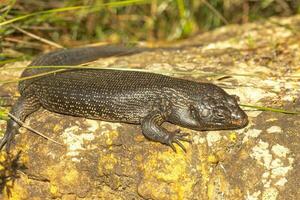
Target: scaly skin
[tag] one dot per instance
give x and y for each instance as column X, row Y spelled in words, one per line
column 133, row 97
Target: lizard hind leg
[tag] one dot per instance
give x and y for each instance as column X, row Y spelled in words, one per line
column 22, row 108
column 152, row 129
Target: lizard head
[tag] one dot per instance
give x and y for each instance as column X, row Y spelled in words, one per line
column 218, row 110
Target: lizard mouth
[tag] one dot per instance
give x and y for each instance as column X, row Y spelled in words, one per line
column 242, row 122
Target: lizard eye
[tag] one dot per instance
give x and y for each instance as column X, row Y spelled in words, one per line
column 221, row 113
column 220, row 116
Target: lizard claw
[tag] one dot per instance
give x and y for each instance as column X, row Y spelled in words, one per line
column 177, row 137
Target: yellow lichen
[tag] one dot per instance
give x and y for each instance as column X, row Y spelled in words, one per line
column 57, row 128
column 17, row 192
column 54, row 190
column 210, row 190
column 233, row 137
column 70, row 176
column 213, row 159
column 3, row 156
column 24, row 159
column 167, row 172
column 62, row 176
column 204, row 170
column 106, row 163
column 139, row 157
column 111, row 137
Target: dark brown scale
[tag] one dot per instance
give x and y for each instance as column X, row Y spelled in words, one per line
column 142, row 98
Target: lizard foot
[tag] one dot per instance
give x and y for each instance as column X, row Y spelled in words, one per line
column 177, row 137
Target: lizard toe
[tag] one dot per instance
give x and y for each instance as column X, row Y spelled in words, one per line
column 177, row 137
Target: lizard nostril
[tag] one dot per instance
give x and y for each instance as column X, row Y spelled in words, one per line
column 239, row 118
column 239, row 114
column 236, row 116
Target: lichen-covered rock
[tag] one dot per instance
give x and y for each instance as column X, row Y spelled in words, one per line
column 259, row 62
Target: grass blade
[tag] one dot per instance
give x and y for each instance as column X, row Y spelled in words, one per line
column 271, row 109
column 91, row 8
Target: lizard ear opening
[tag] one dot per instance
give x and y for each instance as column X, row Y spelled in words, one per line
column 194, row 112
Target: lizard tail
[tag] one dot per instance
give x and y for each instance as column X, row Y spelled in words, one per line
column 75, row 56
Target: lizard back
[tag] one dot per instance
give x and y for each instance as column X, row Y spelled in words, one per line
column 111, row 95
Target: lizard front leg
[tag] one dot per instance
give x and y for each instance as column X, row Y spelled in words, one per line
column 152, row 129
column 23, row 107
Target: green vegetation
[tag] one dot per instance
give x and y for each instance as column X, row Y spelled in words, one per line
column 3, row 113
column 85, row 21
column 278, row 110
